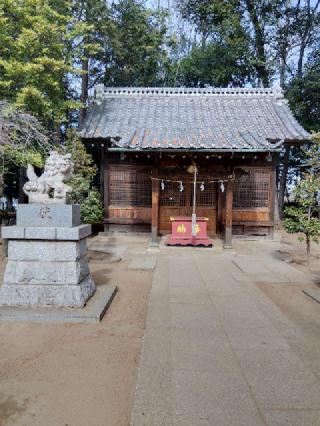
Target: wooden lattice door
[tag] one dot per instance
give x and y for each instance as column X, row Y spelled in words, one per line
column 174, row 202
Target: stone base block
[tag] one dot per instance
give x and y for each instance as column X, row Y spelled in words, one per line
column 45, row 233
column 58, row 215
column 33, row 272
column 52, row 251
column 93, row 312
column 47, row 295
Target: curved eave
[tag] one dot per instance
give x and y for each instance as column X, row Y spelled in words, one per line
column 198, row 150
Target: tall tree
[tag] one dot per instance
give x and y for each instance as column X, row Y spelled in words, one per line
column 95, row 17
column 295, row 30
column 37, row 55
column 214, row 64
column 303, row 93
column 303, row 218
column 260, row 15
column 244, row 23
column 136, row 54
column 307, row 27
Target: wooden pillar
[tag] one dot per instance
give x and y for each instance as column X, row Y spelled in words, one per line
column 102, row 166
column 228, row 215
column 220, row 204
column 105, row 187
column 273, row 205
column 155, row 206
column 274, row 180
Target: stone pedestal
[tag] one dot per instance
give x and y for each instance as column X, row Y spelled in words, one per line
column 47, row 264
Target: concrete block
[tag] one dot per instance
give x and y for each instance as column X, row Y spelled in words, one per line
column 73, row 234
column 46, row 233
column 194, row 317
column 215, row 353
column 59, row 215
column 44, row 295
column 153, row 398
column 46, row 250
column 178, row 294
column 92, row 312
column 250, row 265
column 279, row 378
column 282, row 417
column 143, row 263
column 12, row 232
column 106, row 247
column 40, row 233
column 314, row 293
column 213, row 398
column 46, row 273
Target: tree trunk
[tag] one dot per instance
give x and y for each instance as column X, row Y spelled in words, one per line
column 308, row 238
column 259, row 41
column 308, row 249
column 84, row 90
column 1, row 184
column 282, row 72
column 300, row 60
column 283, row 180
column 22, row 178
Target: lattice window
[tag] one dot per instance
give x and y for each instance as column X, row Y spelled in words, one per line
column 252, row 190
column 129, row 186
column 171, row 195
column 208, row 196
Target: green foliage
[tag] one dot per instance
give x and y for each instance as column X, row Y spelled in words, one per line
column 235, row 33
column 303, row 94
column 21, row 157
column 37, row 53
column 298, row 222
column 91, row 207
column 303, row 218
column 135, row 53
column 214, row 65
column 82, row 160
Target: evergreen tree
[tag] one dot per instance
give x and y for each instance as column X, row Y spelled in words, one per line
column 83, row 192
column 37, row 55
column 302, row 219
column 303, row 94
column 136, row 53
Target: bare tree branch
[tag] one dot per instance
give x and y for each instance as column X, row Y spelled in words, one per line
column 19, row 129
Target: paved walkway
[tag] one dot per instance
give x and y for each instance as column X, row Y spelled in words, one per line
column 215, row 349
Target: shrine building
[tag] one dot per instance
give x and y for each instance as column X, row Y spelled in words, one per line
column 146, row 139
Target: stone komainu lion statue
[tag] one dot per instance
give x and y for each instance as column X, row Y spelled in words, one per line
column 50, row 187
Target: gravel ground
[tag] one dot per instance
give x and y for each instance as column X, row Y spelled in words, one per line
column 77, row 374
column 74, row 374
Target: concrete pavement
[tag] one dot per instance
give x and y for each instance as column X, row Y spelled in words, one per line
column 215, row 348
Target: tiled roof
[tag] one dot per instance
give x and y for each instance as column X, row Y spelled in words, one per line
column 220, row 119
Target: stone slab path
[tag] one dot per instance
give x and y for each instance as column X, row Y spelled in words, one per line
column 215, row 350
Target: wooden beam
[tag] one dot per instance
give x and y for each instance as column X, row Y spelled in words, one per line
column 155, row 206
column 220, row 203
column 228, row 215
column 102, row 167
column 273, row 196
column 126, row 221
column 106, row 188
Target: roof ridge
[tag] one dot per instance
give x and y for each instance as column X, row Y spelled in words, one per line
column 101, row 92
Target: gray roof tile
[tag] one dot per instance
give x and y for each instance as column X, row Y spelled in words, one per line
column 154, row 118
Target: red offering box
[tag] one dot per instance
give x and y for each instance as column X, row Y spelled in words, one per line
column 182, row 232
